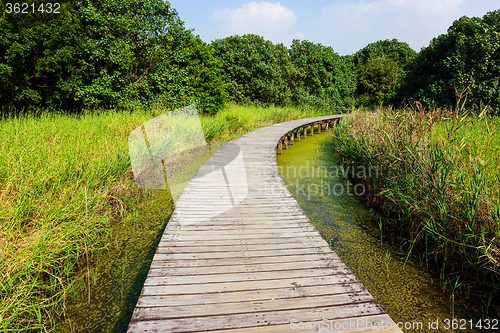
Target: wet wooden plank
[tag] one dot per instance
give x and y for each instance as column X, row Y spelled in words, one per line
column 274, row 267
column 249, row 295
column 240, row 255
column 304, row 302
column 243, row 320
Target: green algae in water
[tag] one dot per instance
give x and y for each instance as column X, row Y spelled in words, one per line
column 118, row 274
column 409, row 293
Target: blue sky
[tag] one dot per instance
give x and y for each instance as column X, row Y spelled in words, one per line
column 347, row 26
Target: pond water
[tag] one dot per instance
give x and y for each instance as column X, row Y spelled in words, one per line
column 411, row 294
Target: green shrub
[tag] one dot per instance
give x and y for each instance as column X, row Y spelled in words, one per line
column 324, row 79
column 106, row 53
column 380, row 66
column 459, row 68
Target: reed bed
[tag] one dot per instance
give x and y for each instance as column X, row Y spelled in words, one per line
column 65, row 183
column 438, row 185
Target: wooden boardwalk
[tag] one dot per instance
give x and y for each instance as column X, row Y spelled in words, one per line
column 239, row 254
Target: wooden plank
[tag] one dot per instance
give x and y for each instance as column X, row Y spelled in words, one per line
column 310, row 264
column 231, row 248
column 249, row 295
column 238, row 232
column 239, row 254
column 305, row 302
column 297, row 282
column 210, row 323
column 365, row 325
column 153, row 280
column 236, row 225
column 181, row 242
column 157, row 263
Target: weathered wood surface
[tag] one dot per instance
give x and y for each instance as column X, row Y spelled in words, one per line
column 239, row 255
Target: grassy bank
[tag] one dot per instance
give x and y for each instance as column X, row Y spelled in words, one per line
column 438, row 180
column 65, row 183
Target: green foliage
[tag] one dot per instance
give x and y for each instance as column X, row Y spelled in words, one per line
column 36, row 54
column 460, row 68
column 399, row 52
column 379, row 67
column 323, row 78
column 438, row 183
column 255, row 69
column 378, row 80
column 104, row 53
column 258, row 71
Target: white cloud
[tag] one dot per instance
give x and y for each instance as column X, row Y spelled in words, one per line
column 353, row 25
column 271, row 20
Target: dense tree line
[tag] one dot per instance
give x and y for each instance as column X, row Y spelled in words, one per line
column 258, row 71
column 103, row 53
column 106, row 53
column 459, row 67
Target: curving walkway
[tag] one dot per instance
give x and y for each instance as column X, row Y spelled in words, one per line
column 239, row 254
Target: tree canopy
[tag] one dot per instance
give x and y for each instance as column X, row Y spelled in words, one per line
column 379, row 68
column 107, row 53
column 255, row 69
column 104, row 53
column 258, row 71
column 323, row 79
column 399, row 52
column 462, row 65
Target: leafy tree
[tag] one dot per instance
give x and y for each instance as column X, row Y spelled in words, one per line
column 324, row 78
column 378, row 80
column 399, row 52
column 379, row 67
column 102, row 53
column 255, row 69
column 37, row 52
column 462, row 65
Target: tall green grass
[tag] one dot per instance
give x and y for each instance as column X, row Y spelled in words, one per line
column 65, row 182
column 439, row 181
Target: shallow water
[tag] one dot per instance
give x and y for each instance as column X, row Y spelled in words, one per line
column 411, row 294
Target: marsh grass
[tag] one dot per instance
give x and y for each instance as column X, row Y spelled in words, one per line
column 65, row 183
column 438, row 181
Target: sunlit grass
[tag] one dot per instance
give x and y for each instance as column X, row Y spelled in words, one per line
column 438, row 180
column 49, row 163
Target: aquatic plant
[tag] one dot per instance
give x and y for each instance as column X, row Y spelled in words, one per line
column 438, row 182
